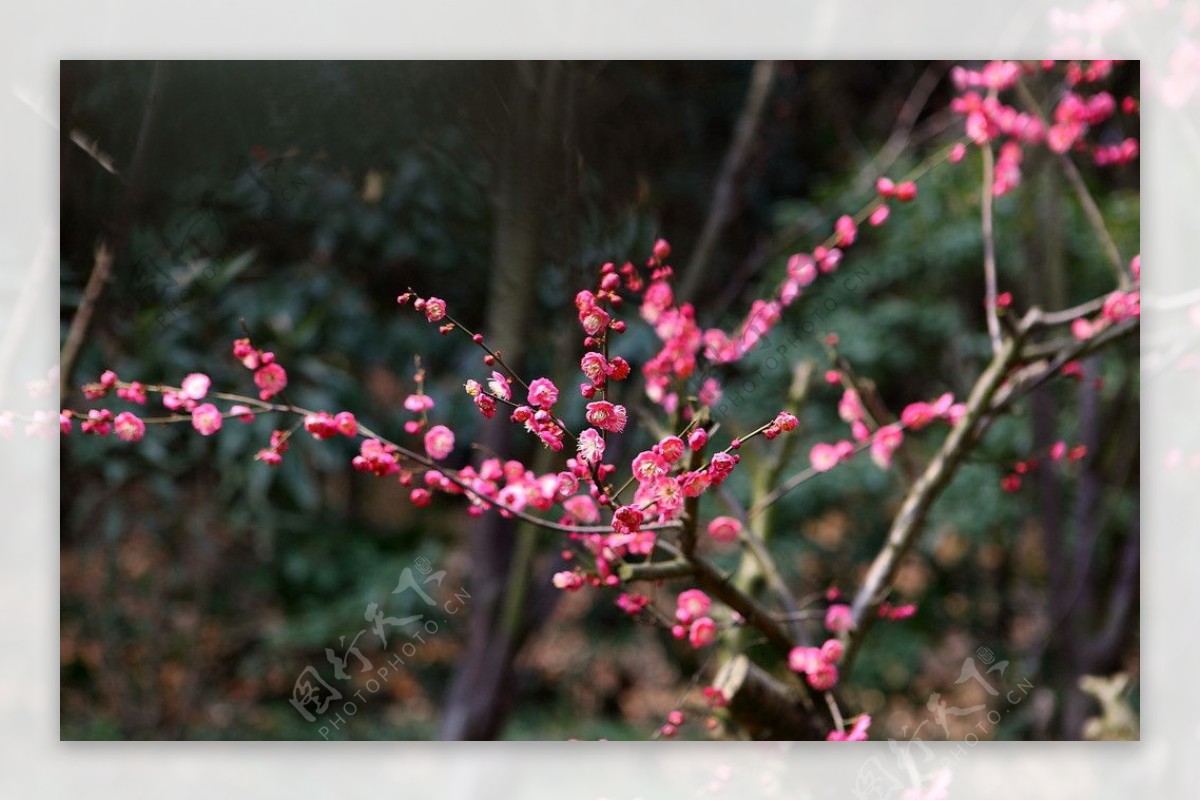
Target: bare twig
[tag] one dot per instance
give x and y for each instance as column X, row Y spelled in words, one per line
column 92, row 148
column 1092, row 212
column 653, row 571
column 1086, row 201
column 989, row 247
column 796, row 480
column 724, row 192
column 1032, row 376
column 902, row 132
column 1065, row 316
column 101, row 269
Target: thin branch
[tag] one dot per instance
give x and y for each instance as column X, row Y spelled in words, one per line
column 770, row 571
column 754, row 614
column 1033, row 376
column 1075, row 179
column 909, row 523
column 1092, row 212
column 724, row 192
column 92, row 148
column 757, row 532
column 101, row 269
column 1046, row 319
column 799, row 478
column 805, row 614
column 102, row 266
column 877, row 410
column 654, row 571
column 901, row 135
column 989, row 247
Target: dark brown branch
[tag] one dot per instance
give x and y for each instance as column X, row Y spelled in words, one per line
column 755, row 615
column 764, row 706
column 709, row 578
column 691, row 508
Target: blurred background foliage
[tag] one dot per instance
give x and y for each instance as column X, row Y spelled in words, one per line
column 295, row 200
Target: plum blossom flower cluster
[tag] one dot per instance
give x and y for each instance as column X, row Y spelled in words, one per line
column 882, row 440
column 803, row 270
column 684, row 341
column 1119, row 305
column 692, row 612
column 990, row 120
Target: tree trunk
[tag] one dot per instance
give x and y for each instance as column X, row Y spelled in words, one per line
column 480, row 692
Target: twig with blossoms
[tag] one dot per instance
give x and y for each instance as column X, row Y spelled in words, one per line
column 1078, row 114
column 989, row 248
column 207, row 421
